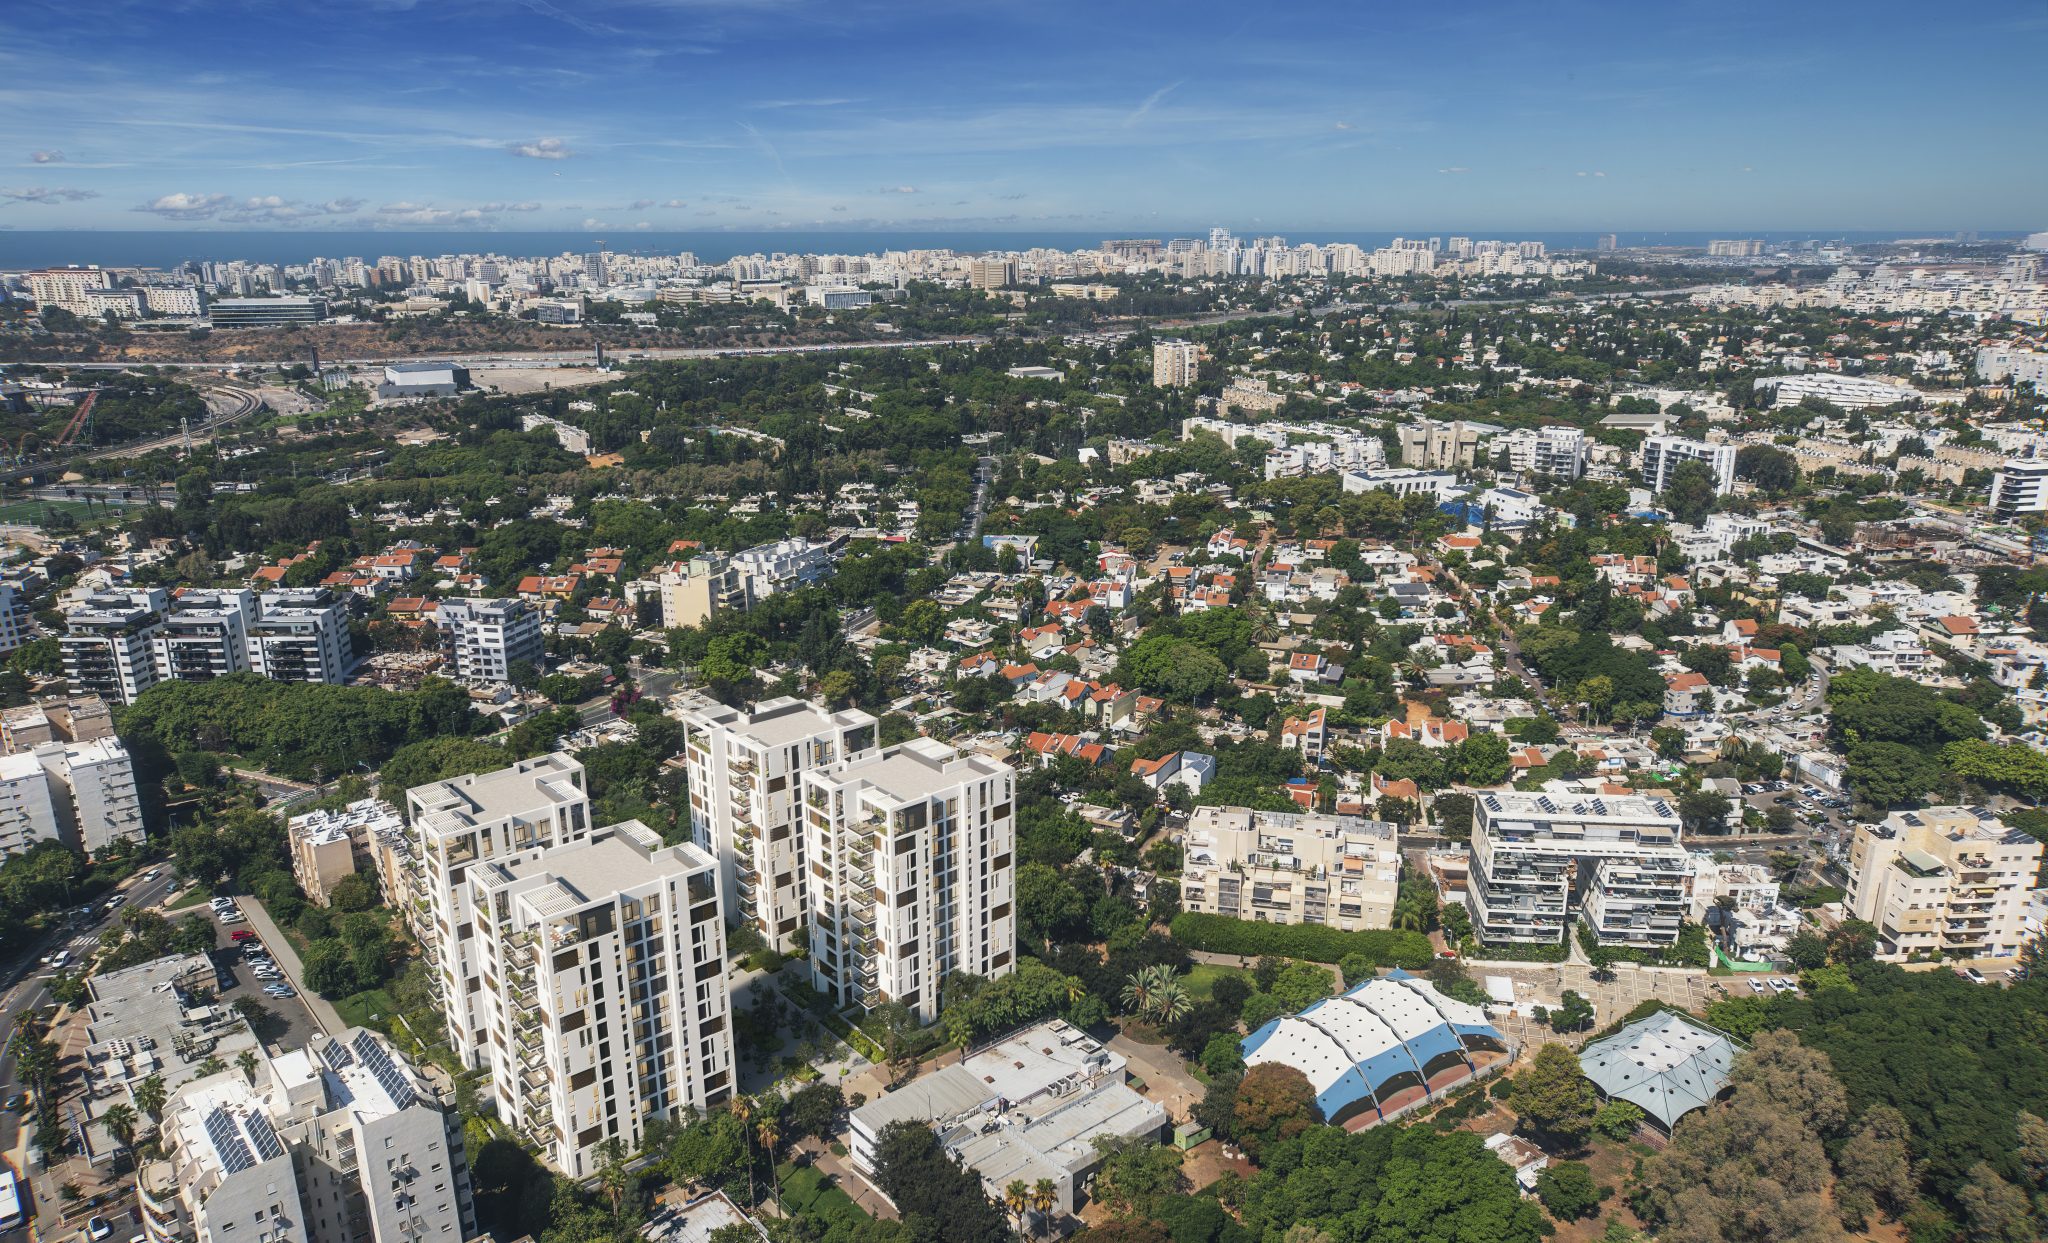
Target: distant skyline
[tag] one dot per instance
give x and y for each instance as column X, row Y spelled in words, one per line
column 625, row 116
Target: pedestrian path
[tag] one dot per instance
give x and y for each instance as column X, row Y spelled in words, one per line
column 325, row 1016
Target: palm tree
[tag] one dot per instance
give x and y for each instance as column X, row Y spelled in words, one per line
column 1043, row 1196
column 743, row 1109
column 120, row 1122
column 1171, row 1001
column 1141, row 984
column 770, row 1134
column 1016, row 1197
column 248, row 1060
column 1153, row 993
column 150, row 1096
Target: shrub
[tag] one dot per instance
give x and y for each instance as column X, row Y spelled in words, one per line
column 1220, row 934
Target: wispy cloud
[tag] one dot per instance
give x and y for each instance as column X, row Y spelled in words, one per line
column 1151, row 102
column 767, row 148
column 182, row 206
column 405, row 212
column 47, row 157
column 541, row 149
column 498, row 207
column 46, row 194
column 674, row 203
column 899, row 190
column 1455, row 168
column 640, row 205
column 802, row 103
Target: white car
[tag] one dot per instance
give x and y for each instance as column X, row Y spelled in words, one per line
column 235, row 918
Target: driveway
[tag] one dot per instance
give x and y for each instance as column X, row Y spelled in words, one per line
column 1166, row 1077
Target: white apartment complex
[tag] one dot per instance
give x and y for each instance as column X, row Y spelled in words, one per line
column 79, row 793
column 1948, row 881
column 1615, row 860
column 119, row 644
column 1291, row 867
column 1662, row 455
column 1559, row 452
column 2019, row 487
column 483, row 638
column 692, row 591
column 1175, row 364
column 14, row 627
column 746, row 772
column 539, row 803
column 911, row 854
column 27, row 813
column 603, row 999
column 339, row 1142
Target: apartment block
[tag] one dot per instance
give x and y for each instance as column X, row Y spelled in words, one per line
column 1291, row 868
column 27, row 813
column 119, row 644
column 109, row 644
column 2019, row 487
column 1615, row 860
column 93, row 789
column 484, row 638
column 1175, row 364
column 1951, row 881
column 538, row 803
column 342, row 1141
column 1663, row 454
column 14, row 621
column 746, row 770
column 692, row 591
column 603, row 992
column 912, row 873
column 329, row 846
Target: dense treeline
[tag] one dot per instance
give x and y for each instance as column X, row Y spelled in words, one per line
column 1220, row 934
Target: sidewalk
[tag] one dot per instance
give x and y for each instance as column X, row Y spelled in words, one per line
column 325, row 1015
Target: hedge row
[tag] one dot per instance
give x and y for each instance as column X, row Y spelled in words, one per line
column 1220, row 934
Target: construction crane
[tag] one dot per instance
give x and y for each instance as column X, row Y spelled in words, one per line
column 78, row 421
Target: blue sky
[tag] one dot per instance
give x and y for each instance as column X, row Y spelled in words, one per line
column 1104, row 116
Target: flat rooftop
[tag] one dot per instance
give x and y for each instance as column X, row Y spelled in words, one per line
column 624, row 856
column 917, row 769
column 527, row 787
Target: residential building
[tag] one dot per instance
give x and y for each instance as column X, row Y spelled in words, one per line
column 204, row 635
column 1028, row 1107
column 1615, row 859
column 65, row 287
column 991, row 273
column 1175, row 364
column 1291, row 868
column 483, row 639
column 2008, row 363
column 911, row 853
column 109, row 644
column 1559, row 452
column 746, row 771
column 1948, row 881
column 538, row 803
column 343, row 1141
column 14, row 621
column 329, row 846
column 159, row 1018
column 1662, row 455
column 92, row 788
column 301, row 635
column 1431, row 445
column 692, row 591
column 603, row 989
column 784, row 565
column 2019, row 487
column 27, row 813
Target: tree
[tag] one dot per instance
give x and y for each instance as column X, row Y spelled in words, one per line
column 1552, row 1096
column 1770, row 468
column 1807, row 950
column 1874, row 1169
column 1997, row 1211
column 248, row 1061
column 1272, row 1098
column 1153, row 993
column 1573, row 1014
column 1690, row 491
column 938, row 1197
column 120, row 1120
column 1136, row 1176
column 1618, row 1119
column 150, row 1096
column 1703, row 811
column 1483, row 759
column 1568, row 1191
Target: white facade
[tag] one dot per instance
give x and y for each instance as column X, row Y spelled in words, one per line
column 539, row 803
column 1291, row 868
column 109, row 644
column 27, row 813
column 117, row 645
column 2019, row 487
column 1662, row 455
column 604, row 992
column 912, row 858
column 14, row 627
column 93, row 787
column 746, row 772
column 1535, row 856
column 300, row 636
column 782, row 566
column 339, row 1142
column 483, row 638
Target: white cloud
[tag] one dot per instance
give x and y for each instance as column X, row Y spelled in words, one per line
column 182, row 206
column 1454, row 169
column 541, row 149
column 46, row 194
column 592, row 222
column 899, row 189
column 641, row 205
column 1346, row 125
column 642, row 224
column 47, row 157
column 675, row 203
column 405, row 212
column 495, row 207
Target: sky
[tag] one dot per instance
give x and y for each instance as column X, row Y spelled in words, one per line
column 1113, row 116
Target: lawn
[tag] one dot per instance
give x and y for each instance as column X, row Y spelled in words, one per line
column 35, row 513
column 809, row 1192
column 356, row 1010
column 191, row 897
column 1201, row 979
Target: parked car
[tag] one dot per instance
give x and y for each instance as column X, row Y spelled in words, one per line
column 280, row 991
column 1973, row 975
column 1756, row 986
column 240, row 935
column 96, row 1228
column 236, row 918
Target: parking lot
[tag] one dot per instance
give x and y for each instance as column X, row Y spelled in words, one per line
column 292, row 1025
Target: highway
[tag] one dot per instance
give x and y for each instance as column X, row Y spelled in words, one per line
column 227, row 405
column 491, row 359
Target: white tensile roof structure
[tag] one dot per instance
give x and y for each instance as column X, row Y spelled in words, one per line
column 1668, row 1065
column 1377, row 1049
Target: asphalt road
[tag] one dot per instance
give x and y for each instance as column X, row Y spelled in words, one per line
column 28, row 982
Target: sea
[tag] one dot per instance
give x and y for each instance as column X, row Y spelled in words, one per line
column 29, row 248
